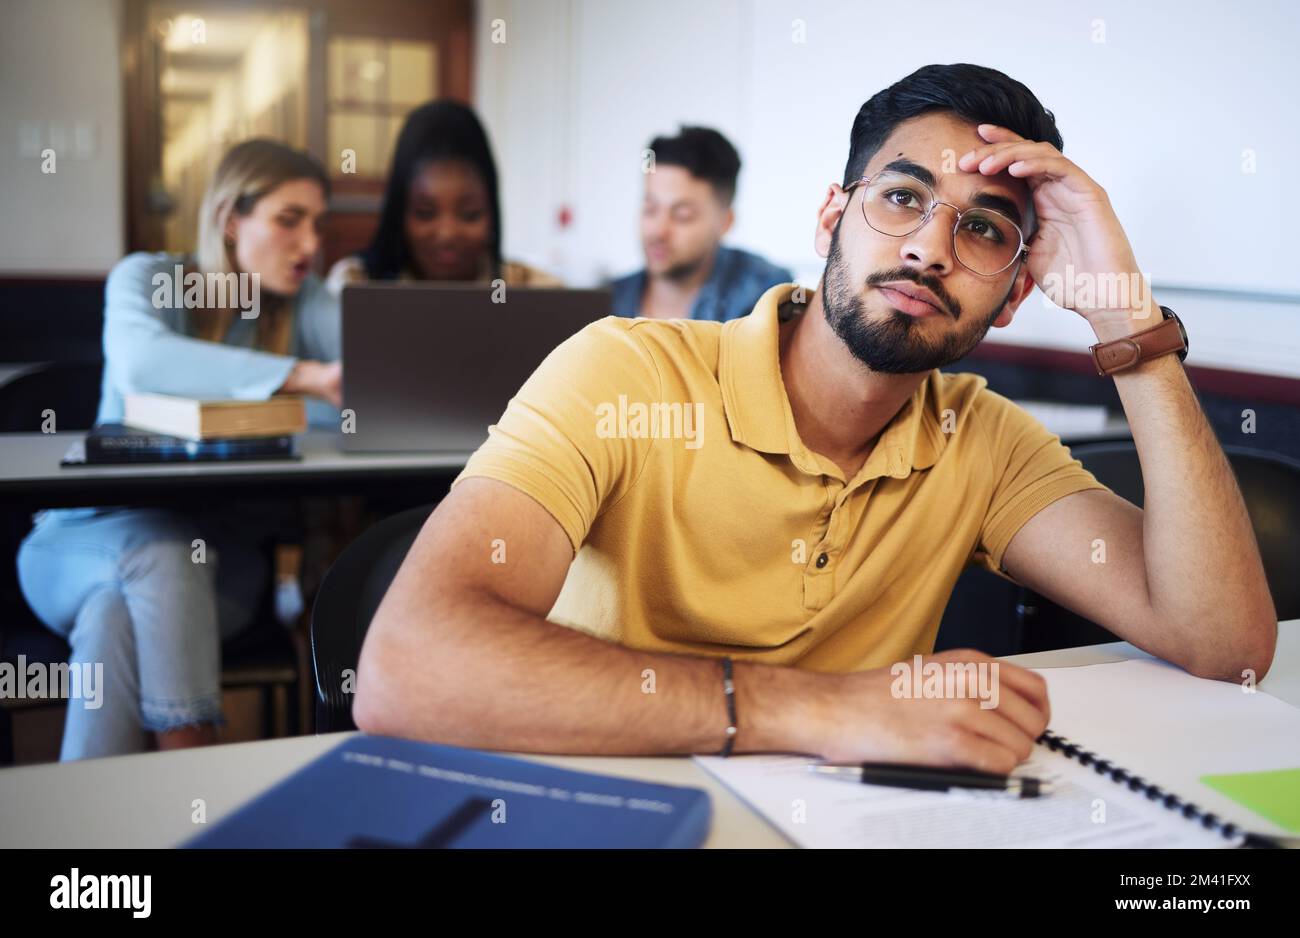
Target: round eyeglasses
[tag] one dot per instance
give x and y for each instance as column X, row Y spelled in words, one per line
column 984, row 241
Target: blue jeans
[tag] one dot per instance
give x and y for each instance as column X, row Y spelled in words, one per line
column 124, row 588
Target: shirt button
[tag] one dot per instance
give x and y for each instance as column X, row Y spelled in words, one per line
column 822, row 560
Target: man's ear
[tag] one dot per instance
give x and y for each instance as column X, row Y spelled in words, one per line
column 828, row 216
column 1024, row 284
column 728, row 220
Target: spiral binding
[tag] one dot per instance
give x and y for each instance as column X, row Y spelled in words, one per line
column 1104, row 767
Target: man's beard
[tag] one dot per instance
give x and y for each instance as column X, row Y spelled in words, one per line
column 685, row 270
column 893, row 344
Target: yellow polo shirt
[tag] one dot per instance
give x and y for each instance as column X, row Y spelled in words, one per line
column 701, row 524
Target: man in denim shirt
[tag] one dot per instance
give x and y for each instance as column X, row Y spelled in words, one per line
column 689, row 188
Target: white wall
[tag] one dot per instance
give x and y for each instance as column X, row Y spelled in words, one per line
column 61, row 87
column 1161, row 113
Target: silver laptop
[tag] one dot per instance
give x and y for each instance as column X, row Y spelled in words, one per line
column 427, row 367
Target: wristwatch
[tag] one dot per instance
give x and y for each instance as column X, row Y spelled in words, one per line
column 1164, row 337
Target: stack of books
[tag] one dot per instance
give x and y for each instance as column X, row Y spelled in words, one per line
column 165, row 428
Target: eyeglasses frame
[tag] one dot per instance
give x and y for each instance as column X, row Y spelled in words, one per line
column 1021, row 253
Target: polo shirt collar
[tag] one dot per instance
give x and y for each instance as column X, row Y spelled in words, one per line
column 758, row 408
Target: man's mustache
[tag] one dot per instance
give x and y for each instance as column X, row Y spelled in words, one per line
column 930, row 283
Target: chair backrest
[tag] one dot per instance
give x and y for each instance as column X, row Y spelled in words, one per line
column 345, row 604
column 1270, row 486
column 69, row 389
column 52, row 318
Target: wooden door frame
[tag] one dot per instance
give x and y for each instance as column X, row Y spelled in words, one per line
column 449, row 23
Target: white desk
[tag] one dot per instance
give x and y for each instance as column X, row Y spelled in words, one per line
column 30, row 473
column 146, row 800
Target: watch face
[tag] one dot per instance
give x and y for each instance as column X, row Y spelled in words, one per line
column 1168, row 313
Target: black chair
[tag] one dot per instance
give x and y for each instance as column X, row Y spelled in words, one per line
column 70, row 389
column 981, row 613
column 1270, row 486
column 345, row 604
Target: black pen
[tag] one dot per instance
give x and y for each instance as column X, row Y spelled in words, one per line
column 929, row 778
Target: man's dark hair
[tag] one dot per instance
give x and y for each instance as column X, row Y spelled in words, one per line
column 705, row 154
column 975, row 93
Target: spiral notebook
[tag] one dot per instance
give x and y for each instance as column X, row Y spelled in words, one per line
column 1128, row 751
column 1234, row 834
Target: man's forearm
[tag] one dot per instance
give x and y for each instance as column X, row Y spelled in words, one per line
column 1205, row 579
column 491, row 676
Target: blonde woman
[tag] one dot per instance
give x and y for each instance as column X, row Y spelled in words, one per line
column 128, row 588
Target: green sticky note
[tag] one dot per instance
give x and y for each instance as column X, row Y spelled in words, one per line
column 1274, row 795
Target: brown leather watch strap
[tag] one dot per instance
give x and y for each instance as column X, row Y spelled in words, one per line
column 1161, row 339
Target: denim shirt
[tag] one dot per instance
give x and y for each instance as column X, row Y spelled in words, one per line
column 737, row 280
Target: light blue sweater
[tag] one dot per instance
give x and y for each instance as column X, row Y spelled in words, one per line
column 147, row 349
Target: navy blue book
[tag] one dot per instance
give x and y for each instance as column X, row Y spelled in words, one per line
column 114, row 443
column 377, row 792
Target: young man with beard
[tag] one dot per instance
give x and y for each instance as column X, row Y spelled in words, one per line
column 595, row 592
column 685, row 213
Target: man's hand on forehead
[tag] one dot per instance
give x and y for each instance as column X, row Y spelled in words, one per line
column 1034, row 161
column 1078, row 236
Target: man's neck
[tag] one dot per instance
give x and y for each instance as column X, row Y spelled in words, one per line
column 840, row 406
column 672, row 297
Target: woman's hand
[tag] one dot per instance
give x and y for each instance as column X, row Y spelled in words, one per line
column 317, row 379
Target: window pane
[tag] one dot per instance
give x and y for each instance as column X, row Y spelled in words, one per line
column 357, row 70
column 362, row 133
column 413, row 67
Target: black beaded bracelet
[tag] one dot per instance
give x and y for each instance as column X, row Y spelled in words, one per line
column 729, row 689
